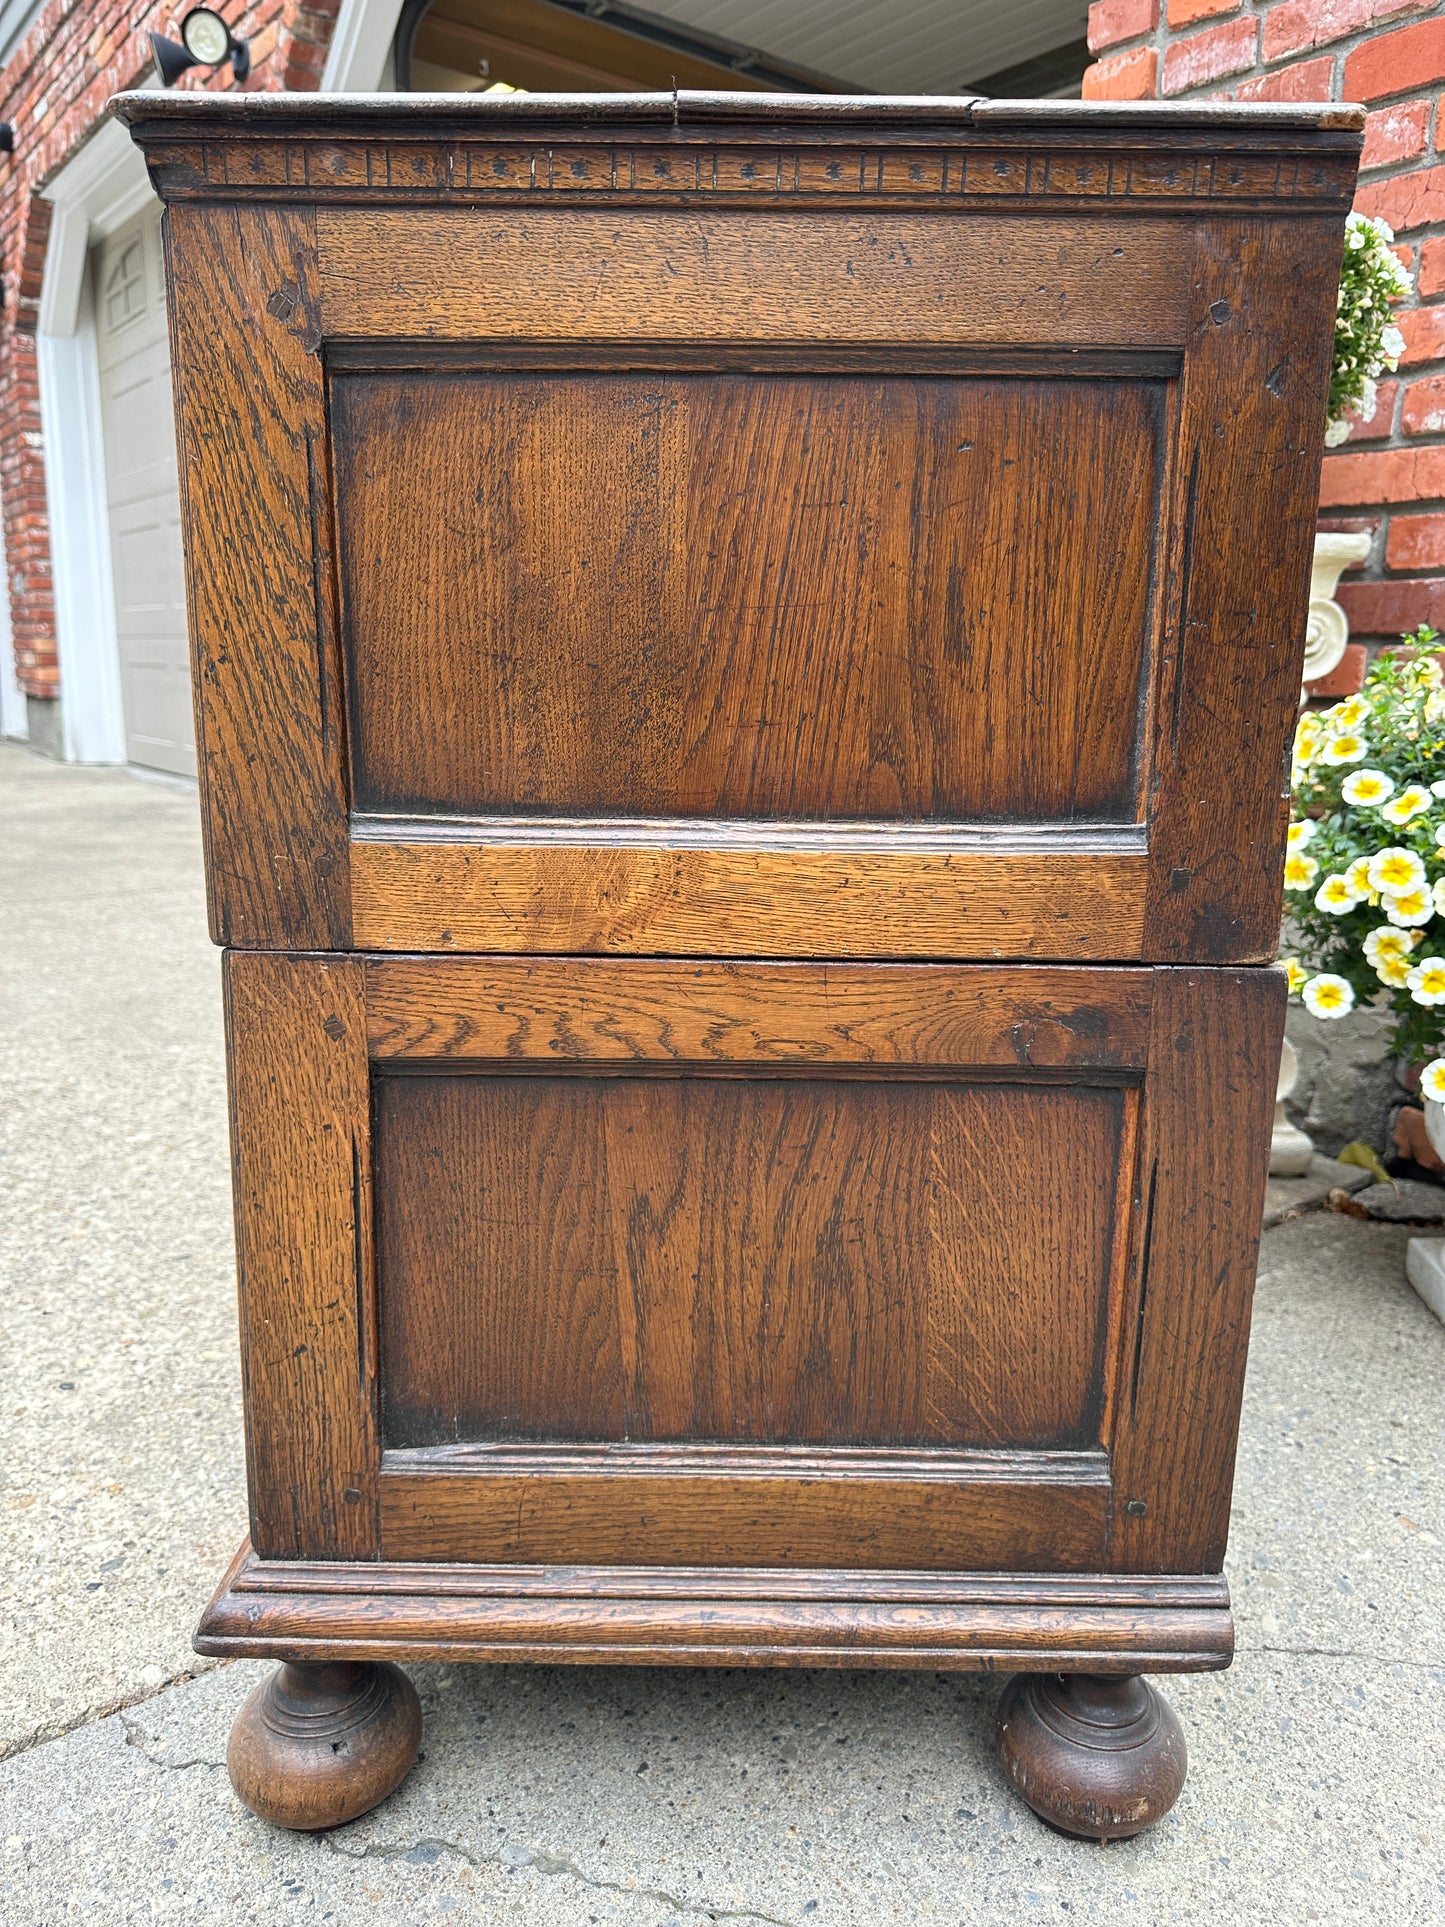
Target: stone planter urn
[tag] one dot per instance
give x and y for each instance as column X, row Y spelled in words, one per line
column 1329, row 626
column 1290, row 1150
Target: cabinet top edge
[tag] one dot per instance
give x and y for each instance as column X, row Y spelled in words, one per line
column 154, row 115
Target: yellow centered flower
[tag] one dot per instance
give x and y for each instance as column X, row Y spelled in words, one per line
column 1351, row 714
column 1393, row 972
column 1334, row 894
column 1367, row 788
column 1303, row 832
column 1358, row 877
column 1439, row 893
column 1432, row 1080
column 1410, row 909
column 1297, row 974
column 1328, row 995
column 1394, row 871
column 1307, row 738
column 1427, row 981
column 1388, row 945
column 1407, row 804
column 1299, row 871
column 1347, row 747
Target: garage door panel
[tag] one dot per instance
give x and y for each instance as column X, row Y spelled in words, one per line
column 142, row 499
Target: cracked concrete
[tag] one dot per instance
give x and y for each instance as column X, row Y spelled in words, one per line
column 568, row 1797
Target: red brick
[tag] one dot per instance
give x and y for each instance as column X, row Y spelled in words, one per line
column 1306, row 80
column 1298, row 25
column 1432, row 265
column 1122, row 77
column 1394, row 134
column 1393, row 608
column 1423, row 411
column 1396, row 63
column 1385, row 475
column 1377, row 428
column 1347, row 678
column 1406, row 200
column 1424, row 332
column 1227, row 49
column 1184, row 13
column 1416, row 542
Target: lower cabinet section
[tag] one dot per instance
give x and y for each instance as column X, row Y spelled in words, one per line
column 636, row 1265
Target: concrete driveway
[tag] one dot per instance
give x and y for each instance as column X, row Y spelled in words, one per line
column 562, row 1798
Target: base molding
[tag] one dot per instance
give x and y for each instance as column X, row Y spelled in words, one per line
column 712, row 1616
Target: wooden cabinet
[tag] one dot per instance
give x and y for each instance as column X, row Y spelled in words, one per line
column 744, row 649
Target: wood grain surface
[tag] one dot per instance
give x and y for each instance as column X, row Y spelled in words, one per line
column 943, row 1526
column 1096, row 1623
column 1203, row 1167
column 579, row 274
column 762, row 1259
column 1229, row 672
column 626, row 1010
column 748, row 597
column 688, row 901
column 255, row 503
column 296, row 1037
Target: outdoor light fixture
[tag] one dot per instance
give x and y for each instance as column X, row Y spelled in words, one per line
column 206, row 41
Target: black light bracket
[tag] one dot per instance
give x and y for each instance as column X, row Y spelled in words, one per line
column 206, row 41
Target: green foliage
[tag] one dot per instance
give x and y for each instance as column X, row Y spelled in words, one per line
column 1366, row 341
column 1365, row 874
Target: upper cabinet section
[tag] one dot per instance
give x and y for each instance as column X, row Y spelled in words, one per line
column 742, row 525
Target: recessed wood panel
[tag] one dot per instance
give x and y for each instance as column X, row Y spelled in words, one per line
column 743, row 596
column 745, row 1258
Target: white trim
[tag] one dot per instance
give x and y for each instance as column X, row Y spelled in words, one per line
column 14, row 714
column 359, row 56
column 91, row 706
column 98, row 189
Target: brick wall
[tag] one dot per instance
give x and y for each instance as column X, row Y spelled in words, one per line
column 1389, row 477
column 53, row 89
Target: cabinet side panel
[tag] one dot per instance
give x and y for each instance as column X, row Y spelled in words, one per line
column 255, row 506
column 1245, row 490
column 1205, row 1156
column 300, row 1136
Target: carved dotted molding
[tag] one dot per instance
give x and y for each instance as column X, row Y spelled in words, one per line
column 441, row 170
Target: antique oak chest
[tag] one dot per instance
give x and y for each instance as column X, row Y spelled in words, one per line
column 744, row 652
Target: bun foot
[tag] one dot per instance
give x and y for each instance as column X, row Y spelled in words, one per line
column 316, row 1745
column 1100, row 1757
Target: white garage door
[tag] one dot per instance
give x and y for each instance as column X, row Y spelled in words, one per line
column 141, row 496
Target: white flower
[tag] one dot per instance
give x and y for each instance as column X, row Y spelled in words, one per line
column 1328, row 996
column 1409, row 911
column 1337, row 431
column 1393, row 973
column 1437, row 789
column 1386, row 942
column 1432, row 1080
column 1334, row 894
column 1393, row 343
column 1367, row 788
column 1427, row 981
column 1296, row 973
column 1394, row 871
column 1307, row 739
column 1347, row 747
column 1303, row 832
column 1358, row 878
column 1409, row 803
